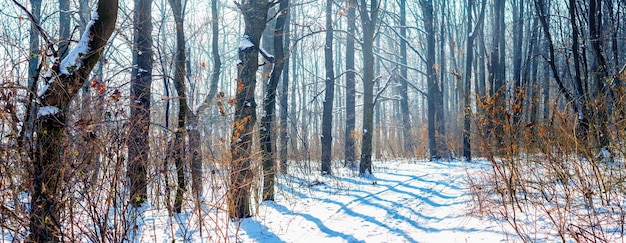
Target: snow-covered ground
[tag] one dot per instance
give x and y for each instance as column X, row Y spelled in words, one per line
column 404, row 201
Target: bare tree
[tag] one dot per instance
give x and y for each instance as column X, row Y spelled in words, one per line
column 269, row 105
column 404, row 101
column 61, row 85
column 327, row 116
column 369, row 19
column 435, row 96
column 350, row 148
column 141, row 81
column 284, row 99
column 238, row 199
column 64, row 27
column 179, row 84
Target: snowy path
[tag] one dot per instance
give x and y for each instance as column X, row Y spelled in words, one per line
column 407, row 202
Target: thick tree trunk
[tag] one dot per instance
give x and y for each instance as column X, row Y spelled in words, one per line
column 267, row 132
column 61, row 85
column 350, row 153
column 327, row 115
column 238, row 199
column 138, row 146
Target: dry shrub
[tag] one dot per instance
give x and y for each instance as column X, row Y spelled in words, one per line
column 548, row 185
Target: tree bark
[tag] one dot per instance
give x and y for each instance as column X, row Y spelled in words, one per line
column 497, row 72
column 350, row 153
column 435, row 97
column 284, row 99
column 467, row 87
column 518, row 36
column 581, row 97
column 269, row 106
column 255, row 15
column 33, row 69
column 64, row 28
column 179, row 84
column 404, row 101
column 600, row 73
column 61, row 85
column 369, row 19
column 138, row 146
column 327, row 115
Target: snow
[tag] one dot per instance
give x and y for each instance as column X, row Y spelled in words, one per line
column 414, row 201
column 73, row 60
column 268, row 57
column 245, row 43
column 48, row 111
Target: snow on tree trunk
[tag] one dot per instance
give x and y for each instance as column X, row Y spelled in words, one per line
column 62, row 83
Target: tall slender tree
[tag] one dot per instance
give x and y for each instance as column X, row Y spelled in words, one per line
column 64, row 27
column 518, row 83
column 435, row 96
column 472, row 32
column 497, row 72
column 33, row 68
column 141, row 80
column 599, row 72
column 284, row 99
column 349, row 148
column 369, row 19
column 327, row 116
column 404, row 101
column 60, row 85
column 179, row 84
column 267, row 132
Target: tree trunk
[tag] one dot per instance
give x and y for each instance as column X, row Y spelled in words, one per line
column 404, row 96
column 179, row 84
column 369, row 20
column 61, row 85
column 327, row 116
column 518, row 36
column 467, row 87
column 581, row 97
column 435, row 98
column 269, row 107
column 138, row 146
column 284, row 99
column 64, row 28
column 542, row 15
column 33, row 69
column 497, row 71
column 238, row 199
column 350, row 153
column 599, row 73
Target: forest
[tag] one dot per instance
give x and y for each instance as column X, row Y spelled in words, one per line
column 110, row 109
